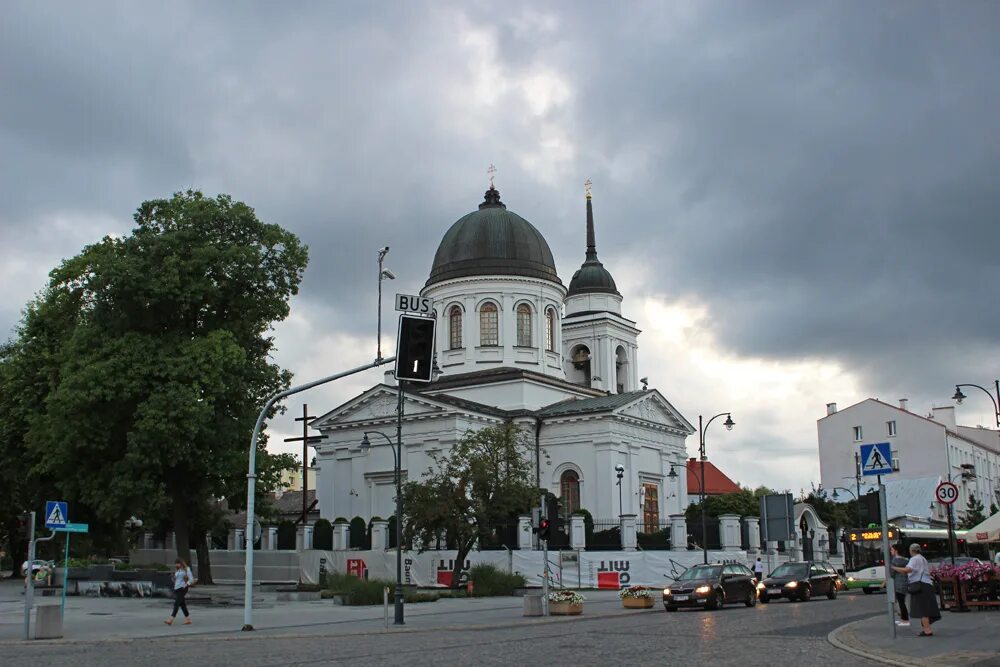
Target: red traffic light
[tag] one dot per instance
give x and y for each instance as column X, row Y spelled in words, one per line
column 544, row 528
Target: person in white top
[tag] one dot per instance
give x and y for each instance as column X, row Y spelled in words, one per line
column 758, row 570
column 921, row 589
column 183, row 580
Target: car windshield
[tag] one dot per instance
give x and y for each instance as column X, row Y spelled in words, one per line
column 790, row 570
column 701, row 572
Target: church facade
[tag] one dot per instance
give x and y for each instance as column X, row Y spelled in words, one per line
column 516, row 345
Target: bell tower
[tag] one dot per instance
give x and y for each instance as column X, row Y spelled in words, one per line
column 600, row 346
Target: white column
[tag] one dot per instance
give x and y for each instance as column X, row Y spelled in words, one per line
column 148, row 541
column 271, row 533
column 628, row 532
column 341, row 536
column 380, row 535
column 678, row 532
column 753, row 533
column 239, row 539
column 729, row 532
column 796, row 543
column 524, row 534
column 577, row 532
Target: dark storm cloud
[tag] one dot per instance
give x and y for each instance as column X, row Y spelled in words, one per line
column 822, row 176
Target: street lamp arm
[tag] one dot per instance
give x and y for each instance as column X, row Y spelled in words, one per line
column 395, row 452
column 709, row 423
column 996, row 407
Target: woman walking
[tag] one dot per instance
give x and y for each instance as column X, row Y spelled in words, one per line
column 900, row 584
column 921, row 589
column 183, row 578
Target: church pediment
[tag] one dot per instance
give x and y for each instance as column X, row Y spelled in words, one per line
column 652, row 407
column 376, row 404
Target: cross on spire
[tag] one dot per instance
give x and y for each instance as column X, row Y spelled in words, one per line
column 491, row 171
column 586, row 186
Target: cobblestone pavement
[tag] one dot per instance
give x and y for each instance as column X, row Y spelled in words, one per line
column 778, row 633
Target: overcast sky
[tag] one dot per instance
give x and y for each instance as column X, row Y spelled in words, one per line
column 798, row 200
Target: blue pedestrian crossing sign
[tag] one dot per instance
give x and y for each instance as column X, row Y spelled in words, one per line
column 876, row 459
column 55, row 514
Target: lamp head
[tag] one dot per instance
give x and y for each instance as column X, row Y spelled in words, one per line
column 959, row 396
column 729, row 423
column 835, row 496
column 386, row 273
column 366, row 444
column 672, row 474
column 619, row 468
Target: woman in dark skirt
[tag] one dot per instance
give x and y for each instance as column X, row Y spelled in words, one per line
column 923, row 604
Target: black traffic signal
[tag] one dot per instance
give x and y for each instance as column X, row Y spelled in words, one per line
column 415, row 348
column 23, row 525
column 544, row 529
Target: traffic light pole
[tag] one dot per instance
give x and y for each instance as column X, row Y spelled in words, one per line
column 252, row 477
column 29, row 592
column 545, row 561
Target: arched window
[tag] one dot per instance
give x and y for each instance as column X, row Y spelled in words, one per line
column 455, row 328
column 550, row 330
column 569, row 489
column 489, row 333
column 524, row 325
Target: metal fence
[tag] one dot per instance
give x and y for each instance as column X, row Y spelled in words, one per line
column 498, row 536
column 604, row 535
column 653, row 536
column 712, row 538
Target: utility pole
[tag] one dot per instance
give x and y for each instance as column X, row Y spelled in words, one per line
column 306, row 440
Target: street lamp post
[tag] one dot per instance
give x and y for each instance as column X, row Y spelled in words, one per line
column 366, row 446
column 959, row 397
column 383, row 274
column 729, row 423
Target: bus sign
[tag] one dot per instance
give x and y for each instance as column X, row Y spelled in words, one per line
column 869, row 535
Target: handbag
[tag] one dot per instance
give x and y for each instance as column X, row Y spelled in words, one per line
column 914, row 588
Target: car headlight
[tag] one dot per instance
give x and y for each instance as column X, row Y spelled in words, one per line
column 792, row 584
column 850, row 578
column 666, row 591
column 703, row 589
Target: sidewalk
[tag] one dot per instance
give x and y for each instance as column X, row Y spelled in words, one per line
column 122, row 619
column 960, row 639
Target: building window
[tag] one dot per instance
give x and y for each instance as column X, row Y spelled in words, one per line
column 650, row 508
column 524, row 325
column 857, row 434
column 891, row 428
column 489, row 333
column 569, row 488
column 454, row 328
column 550, row 330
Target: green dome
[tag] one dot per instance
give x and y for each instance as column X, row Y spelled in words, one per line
column 493, row 241
column 592, row 277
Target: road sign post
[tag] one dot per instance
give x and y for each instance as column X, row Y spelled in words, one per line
column 887, row 559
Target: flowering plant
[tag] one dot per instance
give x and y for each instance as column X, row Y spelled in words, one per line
column 970, row 571
column 572, row 597
column 635, row 592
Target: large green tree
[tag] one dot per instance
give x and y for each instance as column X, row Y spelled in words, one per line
column 485, row 479
column 135, row 378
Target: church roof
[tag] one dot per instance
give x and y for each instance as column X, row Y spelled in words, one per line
column 585, row 405
column 502, row 374
column 592, row 276
column 493, row 241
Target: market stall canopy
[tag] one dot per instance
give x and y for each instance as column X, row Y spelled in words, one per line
column 987, row 531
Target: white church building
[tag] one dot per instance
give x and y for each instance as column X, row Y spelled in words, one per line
column 516, row 344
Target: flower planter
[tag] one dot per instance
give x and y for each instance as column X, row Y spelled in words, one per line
column 565, row 609
column 637, row 603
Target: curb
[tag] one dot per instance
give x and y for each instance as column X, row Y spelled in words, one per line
column 236, row 635
column 877, row 657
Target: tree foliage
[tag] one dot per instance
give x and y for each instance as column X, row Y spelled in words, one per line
column 975, row 513
column 136, row 376
column 744, row 502
column 485, row 479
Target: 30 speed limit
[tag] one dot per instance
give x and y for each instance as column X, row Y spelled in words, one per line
column 946, row 493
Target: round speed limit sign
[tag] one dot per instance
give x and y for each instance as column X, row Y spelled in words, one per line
column 946, row 493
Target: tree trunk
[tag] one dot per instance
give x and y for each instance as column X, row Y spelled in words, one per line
column 181, row 530
column 463, row 550
column 204, row 564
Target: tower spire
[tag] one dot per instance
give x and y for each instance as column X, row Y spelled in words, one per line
column 591, row 240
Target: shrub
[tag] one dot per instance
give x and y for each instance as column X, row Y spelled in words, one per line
column 488, row 580
column 323, row 535
column 359, row 533
column 369, row 592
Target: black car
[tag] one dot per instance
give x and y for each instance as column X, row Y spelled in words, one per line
column 800, row 581
column 711, row 586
